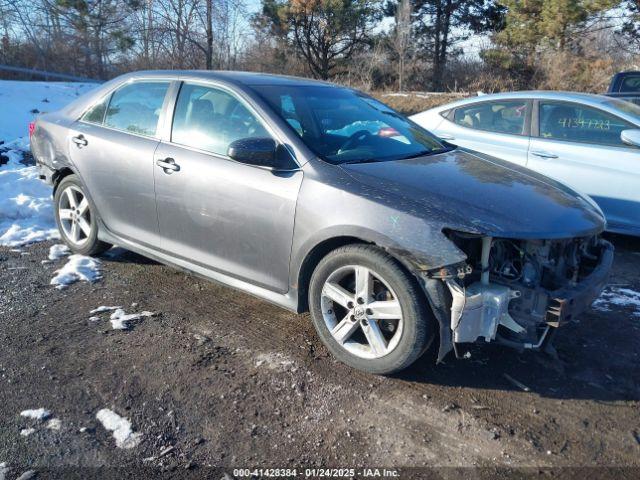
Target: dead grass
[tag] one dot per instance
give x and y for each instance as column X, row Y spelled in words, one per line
column 410, row 103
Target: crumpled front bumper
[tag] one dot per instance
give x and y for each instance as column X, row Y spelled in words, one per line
column 491, row 307
column 567, row 302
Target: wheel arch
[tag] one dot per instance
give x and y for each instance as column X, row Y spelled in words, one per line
column 311, row 260
column 322, row 249
column 59, row 175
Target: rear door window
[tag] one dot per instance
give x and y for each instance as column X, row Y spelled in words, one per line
column 572, row 122
column 136, row 107
column 96, row 113
column 507, row 116
column 210, row 119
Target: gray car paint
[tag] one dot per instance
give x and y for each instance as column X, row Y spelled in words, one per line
column 255, row 229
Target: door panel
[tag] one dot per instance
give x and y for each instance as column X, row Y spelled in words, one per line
column 117, row 169
column 610, row 175
column 228, row 216
column 233, row 218
column 112, row 146
column 580, row 145
column 512, row 148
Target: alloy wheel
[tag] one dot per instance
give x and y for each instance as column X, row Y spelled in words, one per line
column 361, row 311
column 75, row 215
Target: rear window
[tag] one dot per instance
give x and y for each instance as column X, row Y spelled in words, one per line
column 630, row 83
column 96, row 113
column 136, row 107
column 506, row 116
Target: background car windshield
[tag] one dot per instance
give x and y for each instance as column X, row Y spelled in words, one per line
column 341, row 125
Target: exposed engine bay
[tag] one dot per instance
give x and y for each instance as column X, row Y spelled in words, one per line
column 516, row 292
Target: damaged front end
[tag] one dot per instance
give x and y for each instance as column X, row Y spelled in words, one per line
column 515, row 292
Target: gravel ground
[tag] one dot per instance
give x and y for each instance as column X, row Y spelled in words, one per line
column 217, row 378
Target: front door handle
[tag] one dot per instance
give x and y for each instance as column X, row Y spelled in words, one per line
column 168, row 165
column 80, row 141
column 446, row 136
column 543, row 154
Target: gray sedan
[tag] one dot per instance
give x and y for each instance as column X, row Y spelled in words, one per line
column 589, row 142
column 317, row 197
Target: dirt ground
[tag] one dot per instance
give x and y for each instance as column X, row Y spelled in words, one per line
column 220, row 379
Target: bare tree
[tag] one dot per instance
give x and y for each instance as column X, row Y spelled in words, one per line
column 401, row 38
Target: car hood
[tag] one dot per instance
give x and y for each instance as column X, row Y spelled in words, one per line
column 472, row 192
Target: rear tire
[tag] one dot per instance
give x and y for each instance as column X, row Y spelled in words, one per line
column 369, row 312
column 76, row 218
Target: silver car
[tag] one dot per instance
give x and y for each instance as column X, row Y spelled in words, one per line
column 589, row 142
column 318, row 197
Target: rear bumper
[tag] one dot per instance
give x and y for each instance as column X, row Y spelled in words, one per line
column 45, row 172
column 566, row 303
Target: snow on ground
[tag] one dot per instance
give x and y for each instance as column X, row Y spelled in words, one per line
column 275, row 361
column 36, row 414
column 120, row 319
column 78, row 267
column 22, row 101
column 620, row 297
column 58, row 251
column 103, row 308
column 54, row 424
column 4, row 469
column 26, row 214
column 121, row 428
column 25, row 432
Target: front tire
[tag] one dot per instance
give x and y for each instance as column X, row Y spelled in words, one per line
column 76, row 218
column 369, row 312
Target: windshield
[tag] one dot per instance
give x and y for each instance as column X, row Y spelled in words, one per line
column 343, row 126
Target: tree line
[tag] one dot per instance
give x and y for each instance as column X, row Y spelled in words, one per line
column 437, row 45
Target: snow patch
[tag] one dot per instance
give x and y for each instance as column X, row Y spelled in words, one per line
column 58, row 251
column 621, row 297
column 120, row 319
column 28, row 475
column 274, row 361
column 36, row 414
column 19, row 99
column 25, row 432
column 121, row 428
column 26, row 212
column 78, row 267
column 54, row 424
column 4, row 469
column 103, row 308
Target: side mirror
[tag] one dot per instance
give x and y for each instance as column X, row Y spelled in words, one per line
column 261, row 152
column 253, row 151
column 631, row 137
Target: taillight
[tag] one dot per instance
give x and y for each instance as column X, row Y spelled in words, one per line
column 32, row 128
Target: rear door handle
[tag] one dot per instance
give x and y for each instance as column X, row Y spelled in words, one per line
column 169, row 165
column 446, row 136
column 543, row 154
column 80, row 141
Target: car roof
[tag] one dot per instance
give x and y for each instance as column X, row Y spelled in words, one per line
column 536, row 94
column 235, row 77
column 602, row 102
